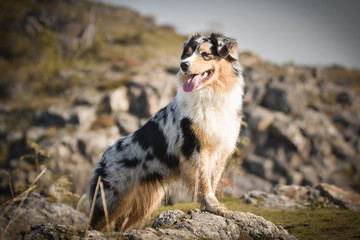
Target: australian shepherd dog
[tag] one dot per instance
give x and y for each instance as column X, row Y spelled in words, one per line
column 189, row 139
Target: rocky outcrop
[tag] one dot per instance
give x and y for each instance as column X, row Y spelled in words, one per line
column 196, row 224
column 179, row 225
column 191, row 225
column 33, row 217
column 293, row 197
column 299, row 125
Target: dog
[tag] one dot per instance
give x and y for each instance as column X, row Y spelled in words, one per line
column 189, row 139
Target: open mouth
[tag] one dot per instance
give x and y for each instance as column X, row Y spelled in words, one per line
column 196, row 80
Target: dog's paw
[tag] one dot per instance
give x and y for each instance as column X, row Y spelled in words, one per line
column 220, row 209
column 211, row 204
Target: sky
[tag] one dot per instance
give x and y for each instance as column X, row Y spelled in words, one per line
column 306, row 32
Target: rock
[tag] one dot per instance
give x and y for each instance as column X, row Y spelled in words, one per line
column 49, row 119
column 126, row 122
column 36, row 210
column 292, row 197
column 340, row 197
column 167, row 218
column 310, row 176
column 259, row 166
column 150, row 92
column 344, row 98
column 58, row 231
column 283, row 197
column 276, row 99
column 178, row 225
column 57, row 116
column 242, row 183
column 291, row 131
column 5, row 234
column 260, row 119
column 198, row 224
column 82, row 116
column 118, row 100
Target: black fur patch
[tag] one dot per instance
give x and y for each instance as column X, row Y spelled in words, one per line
column 172, row 161
column 130, row 163
column 149, row 157
column 164, row 114
column 236, row 71
column 97, row 214
column 190, row 47
column 152, row 177
column 191, row 142
column 150, row 135
column 119, row 145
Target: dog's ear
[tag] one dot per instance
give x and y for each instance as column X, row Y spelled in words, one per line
column 186, row 43
column 223, row 44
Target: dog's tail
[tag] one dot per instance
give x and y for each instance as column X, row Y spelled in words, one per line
column 132, row 208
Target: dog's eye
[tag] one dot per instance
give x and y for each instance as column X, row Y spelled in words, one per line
column 205, row 55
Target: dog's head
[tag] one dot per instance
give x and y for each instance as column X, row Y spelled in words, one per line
column 209, row 61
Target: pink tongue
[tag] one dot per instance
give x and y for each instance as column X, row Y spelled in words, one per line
column 191, row 83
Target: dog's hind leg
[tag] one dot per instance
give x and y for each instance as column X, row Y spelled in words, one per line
column 132, row 208
column 139, row 204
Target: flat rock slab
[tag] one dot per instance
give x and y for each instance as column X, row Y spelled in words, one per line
column 176, row 224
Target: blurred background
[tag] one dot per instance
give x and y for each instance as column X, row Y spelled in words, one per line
column 306, row 32
column 77, row 75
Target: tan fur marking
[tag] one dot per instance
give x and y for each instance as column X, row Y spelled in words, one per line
column 190, row 51
column 234, row 49
column 207, row 146
column 137, row 205
column 224, row 78
column 192, row 174
column 204, row 48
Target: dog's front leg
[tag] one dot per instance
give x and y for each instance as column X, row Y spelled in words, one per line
column 208, row 200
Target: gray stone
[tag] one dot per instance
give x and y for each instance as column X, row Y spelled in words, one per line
column 259, row 166
column 126, row 122
column 36, row 210
column 340, row 197
column 119, row 101
column 193, row 225
column 276, row 99
column 167, row 218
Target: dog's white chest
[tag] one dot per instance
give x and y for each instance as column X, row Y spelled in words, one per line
column 222, row 126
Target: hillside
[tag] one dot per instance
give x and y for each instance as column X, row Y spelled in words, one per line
column 77, row 75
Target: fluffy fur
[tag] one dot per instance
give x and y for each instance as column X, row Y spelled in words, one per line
column 190, row 138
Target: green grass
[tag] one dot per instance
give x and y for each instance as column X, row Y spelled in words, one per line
column 319, row 223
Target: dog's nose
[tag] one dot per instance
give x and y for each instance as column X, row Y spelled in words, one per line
column 184, row 66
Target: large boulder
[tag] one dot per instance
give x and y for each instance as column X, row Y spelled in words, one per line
column 176, row 224
column 27, row 211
